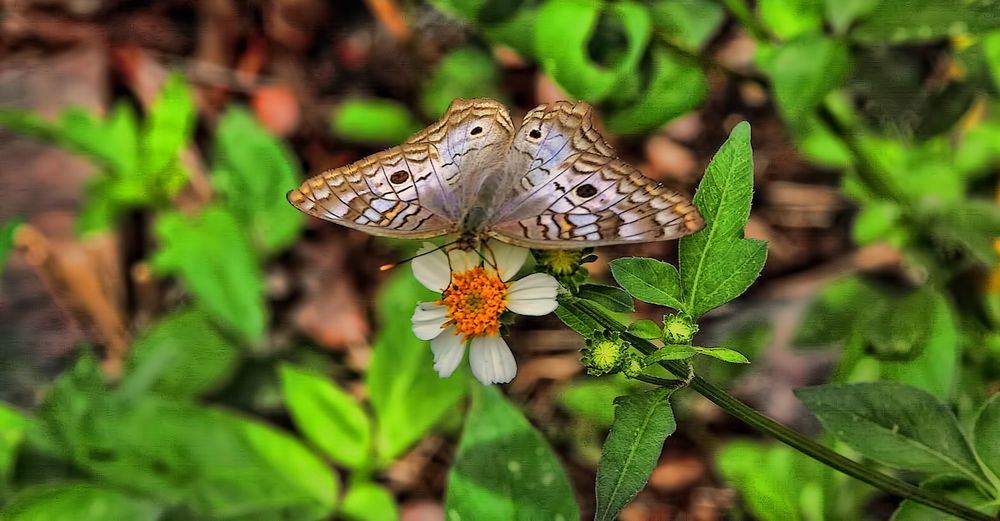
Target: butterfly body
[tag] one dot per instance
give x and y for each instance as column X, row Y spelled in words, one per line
column 551, row 183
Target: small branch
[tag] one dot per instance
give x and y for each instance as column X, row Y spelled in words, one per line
column 662, row 382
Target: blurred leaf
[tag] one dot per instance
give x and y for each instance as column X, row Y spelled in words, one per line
column 212, row 256
column 504, row 469
column 675, row 87
column 649, row 280
column 12, row 427
column 774, row 481
column 183, row 355
column 790, row 18
column 78, row 502
column 978, row 151
column 642, row 423
column 218, row 464
column 900, row 329
column 717, row 264
column 167, row 128
column 971, row 226
column 612, row 298
column 7, row 231
column 894, row 424
column 564, row 29
column 376, row 121
column 687, row 23
column 593, row 398
column 645, row 329
column 407, row 395
column 804, row 71
column 466, row 72
column 328, row 417
column 875, row 221
column 506, row 23
column 835, row 312
column 724, row 354
column 958, row 490
column 991, row 51
column 986, row 435
column 253, row 172
column 842, row 13
column 752, row 339
column 926, row 20
column 368, row 502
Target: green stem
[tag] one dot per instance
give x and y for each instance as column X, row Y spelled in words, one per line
column 662, row 382
column 793, row 439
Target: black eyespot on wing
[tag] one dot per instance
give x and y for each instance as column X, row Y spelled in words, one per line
column 535, row 134
column 399, row 176
column 476, row 131
column 586, row 191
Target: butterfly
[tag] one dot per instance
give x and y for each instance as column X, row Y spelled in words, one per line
column 552, row 183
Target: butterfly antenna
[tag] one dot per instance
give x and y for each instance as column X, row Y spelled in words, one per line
column 391, row 265
column 487, row 261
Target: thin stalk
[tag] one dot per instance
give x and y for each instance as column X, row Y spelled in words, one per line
column 793, row 439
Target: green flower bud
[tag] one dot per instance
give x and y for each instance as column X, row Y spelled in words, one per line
column 633, row 366
column 565, row 265
column 604, row 353
column 678, row 329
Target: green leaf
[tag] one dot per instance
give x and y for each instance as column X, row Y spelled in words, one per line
column 675, row 87
column 689, row 24
column 875, row 221
column 790, row 18
column 645, row 329
column 212, row 256
column 724, row 354
column 926, row 20
column 669, row 352
column 407, row 395
column 612, row 298
column 649, row 280
column 182, row 356
column 504, row 469
column 773, row 480
column 642, row 423
column 592, row 398
column 899, row 329
column 842, row 13
column 933, row 369
column 959, row 490
column 376, row 121
column 328, row 416
column 582, row 323
column 253, row 172
column 215, row 463
column 717, row 263
column 969, row 225
column 167, row 128
column 986, row 435
column 991, row 51
column 835, row 312
column 804, row 71
column 7, row 230
column 564, row 29
column 466, row 72
column 895, row 424
column 12, row 427
column 78, row 502
column 368, row 502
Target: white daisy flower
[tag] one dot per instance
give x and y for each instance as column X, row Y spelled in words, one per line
column 473, row 296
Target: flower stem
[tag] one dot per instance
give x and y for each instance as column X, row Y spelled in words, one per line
column 793, row 439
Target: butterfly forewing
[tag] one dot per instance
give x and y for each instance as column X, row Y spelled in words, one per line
column 569, row 189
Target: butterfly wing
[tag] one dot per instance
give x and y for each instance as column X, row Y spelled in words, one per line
column 418, row 189
column 570, row 191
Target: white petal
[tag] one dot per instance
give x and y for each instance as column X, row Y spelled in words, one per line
column 533, row 295
column 491, row 360
column 507, row 257
column 463, row 260
column 448, row 349
column 428, row 320
column 431, row 269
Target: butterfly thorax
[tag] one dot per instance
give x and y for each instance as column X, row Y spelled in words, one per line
column 473, row 227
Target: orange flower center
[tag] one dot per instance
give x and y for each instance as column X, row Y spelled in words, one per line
column 475, row 300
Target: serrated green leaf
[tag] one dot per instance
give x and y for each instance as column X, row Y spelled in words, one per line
column 986, row 435
column 408, row 397
column 214, row 259
column 959, row 490
column 377, row 121
column 895, row 424
column 328, row 416
column 70, row 501
column 717, row 264
column 724, row 354
column 466, row 73
column 675, row 87
column 645, row 329
column 253, row 171
column 579, row 322
column 804, row 71
column 183, row 355
column 612, row 298
column 563, row 30
column 649, row 280
column 368, row 502
column 669, row 352
column 504, row 468
column 642, row 423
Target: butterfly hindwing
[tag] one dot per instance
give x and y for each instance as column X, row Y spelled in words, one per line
column 571, row 191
